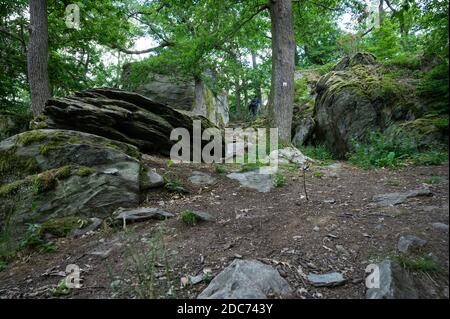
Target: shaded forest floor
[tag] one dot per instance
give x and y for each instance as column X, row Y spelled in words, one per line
column 338, row 229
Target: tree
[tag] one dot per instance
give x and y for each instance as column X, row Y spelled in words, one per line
column 283, row 66
column 38, row 56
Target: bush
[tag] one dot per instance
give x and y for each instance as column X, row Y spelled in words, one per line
column 280, row 180
column 383, row 151
column 434, row 87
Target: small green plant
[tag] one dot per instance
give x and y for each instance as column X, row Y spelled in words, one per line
column 147, row 273
column 33, row 240
column 61, row 289
column 318, row 174
column 189, row 218
column 170, row 163
column 207, row 277
column 280, row 180
column 424, row 263
column 220, row 169
column 433, row 180
column 173, row 184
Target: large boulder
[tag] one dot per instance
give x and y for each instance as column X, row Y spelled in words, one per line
column 361, row 96
column 181, row 92
column 54, row 174
column 303, row 122
column 123, row 116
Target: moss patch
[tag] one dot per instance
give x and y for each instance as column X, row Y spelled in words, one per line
column 61, row 227
column 85, row 171
column 40, row 183
column 10, row 162
column 31, row 137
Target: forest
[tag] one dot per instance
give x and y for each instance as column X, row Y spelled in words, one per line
column 348, row 198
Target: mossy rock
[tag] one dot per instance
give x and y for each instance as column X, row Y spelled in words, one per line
column 78, row 174
column 61, row 227
column 361, row 96
column 425, row 132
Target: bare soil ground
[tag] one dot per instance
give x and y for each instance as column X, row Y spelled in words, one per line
column 338, row 229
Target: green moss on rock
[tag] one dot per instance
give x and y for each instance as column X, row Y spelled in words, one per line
column 31, row 137
column 61, row 227
column 85, row 171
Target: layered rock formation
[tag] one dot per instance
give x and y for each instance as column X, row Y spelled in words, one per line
column 358, row 97
column 121, row 116
column 183, row 93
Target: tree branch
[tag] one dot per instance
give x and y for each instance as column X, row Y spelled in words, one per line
column 390, row 6
column 126, row 51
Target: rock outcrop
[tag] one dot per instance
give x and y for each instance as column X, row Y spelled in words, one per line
column 358, row 97
column 122, row 116
column 54, row 174
column 183, row 93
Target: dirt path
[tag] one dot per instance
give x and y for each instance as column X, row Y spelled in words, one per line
column 338, row 229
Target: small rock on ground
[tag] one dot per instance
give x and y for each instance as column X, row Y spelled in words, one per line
column 440, row 226
column 141, row 214
column 200, row 178
column 408, row 243
column 398, row 198
column 326, row 280
column 246, row 279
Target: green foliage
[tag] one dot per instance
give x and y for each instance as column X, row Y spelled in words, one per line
column 61, row 227
column 173, row 184
column 432, row 180
column 189, row 218
column 3, row 265
column 384, row 151
column 147, row 273
column 33, row 240
column 279, row 180
column 61, row 289
column 220, row 169
column 247, row 167
column 318, row 174
column 424, row 263
column 85, row 171
column 31, row 137
column 318, row 152
column 434, row 88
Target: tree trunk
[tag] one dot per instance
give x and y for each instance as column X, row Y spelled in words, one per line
column 245, row 88
column 283, row 59
column 381, row 12
column 38, row 56
column 237, row 91
column 258, row 83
